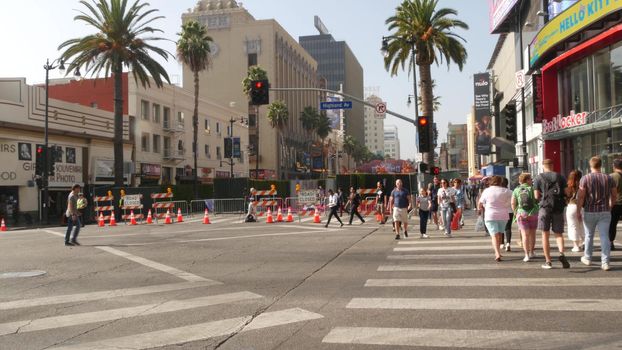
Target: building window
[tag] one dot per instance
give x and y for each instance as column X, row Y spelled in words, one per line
column 229, row 131
column 156, row 143
column 252, row 59
column 180, row 147
column 207, row 129
column 217, row 127
column 144, row 142
column 218, row 155
column 144, row 110
column 207, row 152
column 166, row 117
column 167, row 146
column 156, row 113
column 180, row 118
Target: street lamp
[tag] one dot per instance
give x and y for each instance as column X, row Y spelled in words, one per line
column 409, row 101
column 60, row 64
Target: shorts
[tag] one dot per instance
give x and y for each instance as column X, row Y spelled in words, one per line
column 527, row 222
column 380, row 208
column 548, row 220
column 434, row 207
column 495, row 226
column 400, row 214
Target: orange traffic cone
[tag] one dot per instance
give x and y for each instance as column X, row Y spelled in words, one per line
column 206, row 218
column 290, row 218
column 132, row 218
column 149, row 217
column 179, row 217
column 316, row 217
column 279, row 215
column 3, row 226
column 167, row 219
column 269, row 219
column 101, row 222
column 113, row 221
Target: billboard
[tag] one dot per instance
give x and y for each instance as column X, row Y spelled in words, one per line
column 499, row 11
column 483, row 120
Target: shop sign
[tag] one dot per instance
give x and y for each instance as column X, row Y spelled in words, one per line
column 205, row 173
column 499, row 10
column 150, row 170
column 538, row 102
column 560, row 123
column 579, row 16
column 221, row 174
column 483, row 120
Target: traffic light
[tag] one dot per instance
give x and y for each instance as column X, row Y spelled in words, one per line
column 435, row 170
column 260, row 92
column 39, row 160
column 510, row 122
column 228, row 147
column 423, row 168
column 423, row 128
column 52, row 156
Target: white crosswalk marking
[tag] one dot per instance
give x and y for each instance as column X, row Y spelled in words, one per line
column 442, row 248
column 437, row 256
column 197, row 332
column 115, row 314
column 462, row 267
column 495, row 282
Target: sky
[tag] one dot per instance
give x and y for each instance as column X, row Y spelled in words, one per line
column 41, row 26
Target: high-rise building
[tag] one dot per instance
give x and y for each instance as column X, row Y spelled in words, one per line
column 239, row 42
column 457, row 152
column 374, row 128
column 341, row 69
column 391, row 142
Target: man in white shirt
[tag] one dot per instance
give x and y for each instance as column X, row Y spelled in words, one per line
column 333, row 200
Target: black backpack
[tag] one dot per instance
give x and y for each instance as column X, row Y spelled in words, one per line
column 525, row 198
column 552, row 195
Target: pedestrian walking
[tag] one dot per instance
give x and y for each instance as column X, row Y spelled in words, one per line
column 576, row 232
column 354, row 201
column 381, row 199
column 616, row 210
column 507, row 237
column 549, row 189
column 81, row 205
column 494, row 201
column 73, row 219
column 333, row 205
column 460, row 202
column 597, row 193
column 342, row 201
column 401, row 203
column 433, row 190
column 446, row 197
column 526, row 209
column 423, row 203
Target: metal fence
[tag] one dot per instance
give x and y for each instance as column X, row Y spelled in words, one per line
column 219, row 206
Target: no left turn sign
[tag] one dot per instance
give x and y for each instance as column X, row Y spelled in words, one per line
column 380, row 109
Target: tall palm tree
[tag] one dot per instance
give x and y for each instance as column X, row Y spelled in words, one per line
column 436, row 100
column 278, row 116
column 254, row 73
column 349, row 145
column 117, row 43
column 422, row 32
column 193, row 50
column 323, row 129
column 309, row 118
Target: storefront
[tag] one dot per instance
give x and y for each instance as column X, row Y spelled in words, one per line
column 581, row 85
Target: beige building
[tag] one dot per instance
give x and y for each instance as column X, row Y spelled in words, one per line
column 374, row 128
column 391, row 142
column 241, row 41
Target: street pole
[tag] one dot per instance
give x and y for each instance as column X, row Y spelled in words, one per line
column 231, row 121
column 44, row 180
column 257, row 143
column 522, row 90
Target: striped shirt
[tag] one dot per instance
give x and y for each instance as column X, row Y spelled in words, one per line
column 597, row 187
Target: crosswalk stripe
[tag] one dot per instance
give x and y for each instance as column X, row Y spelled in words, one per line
column 614, row 305
column 157, row 266
column 254, row 236
column 197, row 332
column 462, row 338
column 436, row 256
column 107, row 294
column 444, row 241
column 464, row 267
column 423, row 249
column 116, row 314
column 495, row 282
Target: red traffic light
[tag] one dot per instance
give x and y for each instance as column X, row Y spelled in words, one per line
column 39, row 149
column 258, row 85
column 423, row 121
column 436, row 170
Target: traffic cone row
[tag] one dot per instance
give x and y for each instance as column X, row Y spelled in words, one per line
column 290, row 217
column 132, row 218
column 167, row 218
column 179, row 217
column 269, row 219
column 316, row 217
column 101, row 222
column 206, row 218
column 113, row 221
column 279, row 215
column 2, row 226
column 149, row 217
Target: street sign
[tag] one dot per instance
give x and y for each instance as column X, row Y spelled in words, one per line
column 336, row 105
column 380, row 109
column 131, row 200
column 307, row 197
column 520, row 79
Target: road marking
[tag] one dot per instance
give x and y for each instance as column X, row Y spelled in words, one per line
column 445, row 248
column 107, row 294
column 197, row 332
column 116, row 314
column 55, row 233
column 157, row 266
column 464, row 267
column 614, row 305
column 33, row 273
column 462, row 338
column 436, row 256
column 445, row 241
column 251, row 236
column 496, row 282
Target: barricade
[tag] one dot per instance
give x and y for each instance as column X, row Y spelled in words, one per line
column 183, row 205
column 132, row 203
column 302, row 209
column 262, row 205
column 161, row 204
column 219, row 206
column 368, row 206
column 103, row 205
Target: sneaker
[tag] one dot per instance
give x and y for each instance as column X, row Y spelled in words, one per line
column 405, row 234
column 576, row 249
column 448, row 235
column 564, row 261
column 507, row 247
column 586, row 261
column 605, row 267
column 341, row 225
column 526, row 258
column 547, row 265
column 397, row 236
column 69, row 244
column 425, row 236
column 74, row 242
column 441, row 228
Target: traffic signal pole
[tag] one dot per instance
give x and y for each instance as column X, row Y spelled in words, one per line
column 44, row 180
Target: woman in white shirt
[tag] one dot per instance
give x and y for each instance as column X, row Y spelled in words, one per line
column 446, row 203
column 333, row 200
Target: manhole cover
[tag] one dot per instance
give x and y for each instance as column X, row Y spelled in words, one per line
column 22, row 274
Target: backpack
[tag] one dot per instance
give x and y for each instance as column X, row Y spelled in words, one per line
column 552, row 196
column 525, row 199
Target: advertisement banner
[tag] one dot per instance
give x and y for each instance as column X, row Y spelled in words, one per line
column 568, row 23
column 333, row 114
column 538, row 103
column 499, row 10
column 483, row 120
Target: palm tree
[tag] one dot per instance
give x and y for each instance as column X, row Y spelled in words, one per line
column 323, row 129
column 117, row 43
column 349, row 145
column 436, row 100
column 309, row 118
column 418, row 27
column 254, row 73
column 278, row 115
column 193, row 50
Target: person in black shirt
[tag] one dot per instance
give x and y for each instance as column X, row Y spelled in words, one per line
column 354, row 201
column 381, row 198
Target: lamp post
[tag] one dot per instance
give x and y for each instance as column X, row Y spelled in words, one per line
column 231, row 121
column 60, row 64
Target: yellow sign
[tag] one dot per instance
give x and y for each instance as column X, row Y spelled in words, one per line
column 568, row 23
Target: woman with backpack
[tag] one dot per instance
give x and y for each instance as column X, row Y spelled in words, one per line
column 575, row 227
column 526, row 213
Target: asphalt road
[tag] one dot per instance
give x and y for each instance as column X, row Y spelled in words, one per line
column 233, row 285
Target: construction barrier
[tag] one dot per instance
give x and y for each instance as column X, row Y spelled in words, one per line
column 303, row 208
column 368, row 206
column 132, row 203
column 103, row 205
column 161, row 203
column 219, row 206
column 262, row 205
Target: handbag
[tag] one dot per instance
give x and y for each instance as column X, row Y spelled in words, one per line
column 479, row 225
